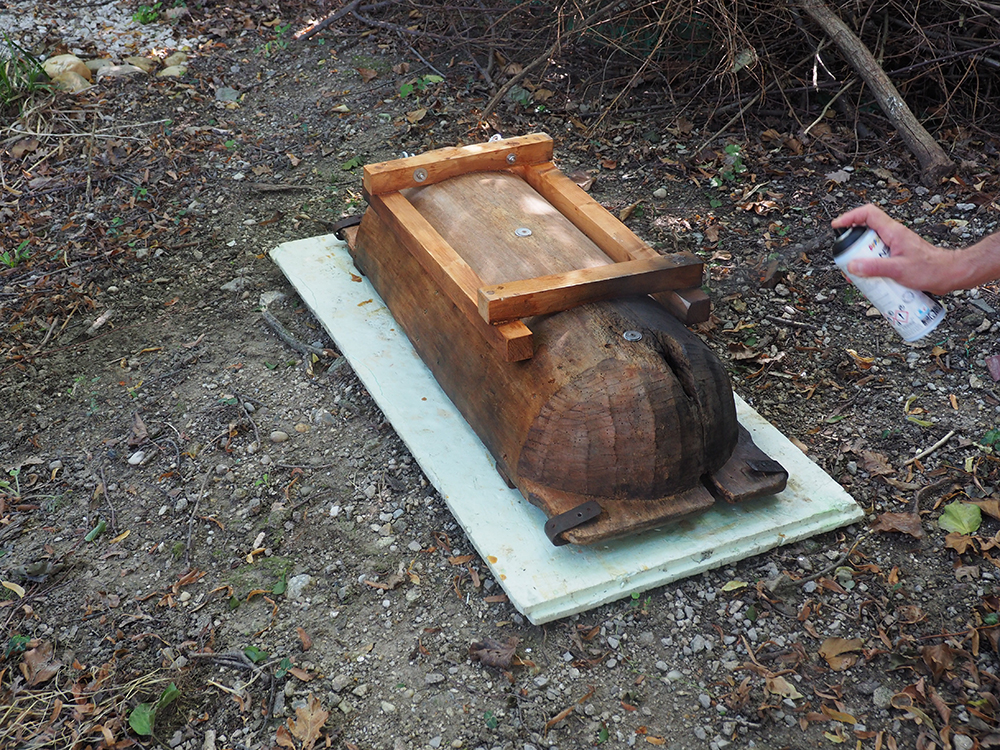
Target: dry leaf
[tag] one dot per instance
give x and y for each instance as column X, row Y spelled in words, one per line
column 863, row 363
column 367, row 74
column 712, row 232
column 23, row 146
column 493, row 653
column 876, row 464
column 38, row 665
column 139, row 435
column 300, row 673
column 401, row 69
column 628, row 211
column 781, row 686
column 740, row 351
column 959, row 542
column 584, row 180
column 609, row 164
column 542, row 95
column 304, row 639
column 938, row 658
column 294, row 159
column 309, row 721
column 905, row 523
column 840, row 716
column 416, row 115
column 990, row 506
column 838, row 652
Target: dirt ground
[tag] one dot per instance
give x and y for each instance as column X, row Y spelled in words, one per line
column 191, row 500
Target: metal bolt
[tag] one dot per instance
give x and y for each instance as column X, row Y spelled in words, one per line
column 419, row 175
column 511, row 158
column 522, row 232
column 631, row 335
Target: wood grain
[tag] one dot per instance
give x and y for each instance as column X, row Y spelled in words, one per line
column 444, row 163
column 557, row 292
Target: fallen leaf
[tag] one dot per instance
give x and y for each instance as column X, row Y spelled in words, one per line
column 938, row 658
column 416, row 115
column 542, row 95
column 863, row 363
column 300, row 673
column 38, row 665
column 840, row 716
column 367, row 74
column 961, row 543
column 304, row 639
column 734, row 586
column 23, row 146
column 876, row 464
column 493, row 653
column 401, row 69
column 838, row 652
column 781, row 686
column 961, row 517
column 139, row 435
column 905, row 523
column 609, row 164
column 294, row 159
column 310, row 719
column 628, row 211
column 19, row 590
column 990, row 506
column 839, row 177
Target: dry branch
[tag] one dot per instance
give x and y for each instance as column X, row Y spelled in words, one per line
column 934, row 163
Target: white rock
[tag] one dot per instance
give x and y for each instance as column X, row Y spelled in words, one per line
column 172, row 71
column 136, row 458
column 296, row 585
column 119, row 71
column 59, row 64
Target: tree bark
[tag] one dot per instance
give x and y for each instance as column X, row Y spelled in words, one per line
column 934, row 163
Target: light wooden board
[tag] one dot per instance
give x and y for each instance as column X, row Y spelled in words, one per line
column 543, row 582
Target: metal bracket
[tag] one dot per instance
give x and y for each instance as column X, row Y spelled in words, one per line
column 570, row 520
column 765, row 466
column 347, row 221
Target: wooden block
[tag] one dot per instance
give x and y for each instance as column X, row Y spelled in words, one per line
column 436, row 166
column 618, row 241
column 453, row 275
column 561, row 291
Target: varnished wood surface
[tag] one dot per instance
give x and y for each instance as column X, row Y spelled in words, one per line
column 557, row 292
column 444, row 163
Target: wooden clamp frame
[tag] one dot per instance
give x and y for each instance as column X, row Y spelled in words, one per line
column 638, row 269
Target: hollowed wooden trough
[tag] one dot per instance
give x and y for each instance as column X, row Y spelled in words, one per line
column 558, row 334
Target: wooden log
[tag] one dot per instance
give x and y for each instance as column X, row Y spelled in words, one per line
column 611, row 235
column 934, row 163
column 441, row 164
column 634, row 425
column 557, row 292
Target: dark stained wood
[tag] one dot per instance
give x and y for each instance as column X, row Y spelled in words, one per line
column 444, row 163
column 736, row 481
column 558, row 292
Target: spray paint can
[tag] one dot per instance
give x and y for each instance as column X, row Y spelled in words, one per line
column 912, row 313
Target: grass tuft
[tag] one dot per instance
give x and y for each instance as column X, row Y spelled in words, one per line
column 21, row 76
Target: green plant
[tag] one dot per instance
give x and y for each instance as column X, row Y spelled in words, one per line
column 5, row 485
column 992, row 437
column 733, row 166
column 418, row 85
column 16, row 644
column 18, row 256
column 143, row 716
column 21, row 75
column 491, row 720
column 278, row 43
column 147, row 13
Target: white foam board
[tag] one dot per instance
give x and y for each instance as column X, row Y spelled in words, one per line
column 543, row 582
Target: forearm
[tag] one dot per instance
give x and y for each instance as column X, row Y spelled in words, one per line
column 980, row 262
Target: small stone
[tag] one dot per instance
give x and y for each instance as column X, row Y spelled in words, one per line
column 660, row 193
column 278, row 436
column 673, row 675
column 387, row 708
column 340, row 682
column 236, row 285
column 70, row 80
column 177, row 58
column 882, row 697
column 962, row 742
column 226, row 94
column 119, row 71
column 136, row 458
column 296, row 585
column 59, row 64
column 705, row 700
column 435, row 742
column 434, row 678
column 142, row 62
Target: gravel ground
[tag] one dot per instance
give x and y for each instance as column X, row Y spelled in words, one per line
column 271, row 547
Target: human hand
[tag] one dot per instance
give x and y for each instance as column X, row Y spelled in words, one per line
column 912, row 261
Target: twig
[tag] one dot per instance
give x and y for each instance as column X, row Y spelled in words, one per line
column 421, row 58
column 919, row 494
column 519, row 77
column 191, row 518
column 289, row 339
column 793, row 323
column 930, row 450
column 320, row 25
column 107, row 497
column 829, row 104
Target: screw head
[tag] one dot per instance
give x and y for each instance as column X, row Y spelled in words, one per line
column 632, row 335
column 522, row 232
column 419, row 175
column 511, row 158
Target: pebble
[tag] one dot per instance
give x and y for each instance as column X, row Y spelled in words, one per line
column 136, row 458
column 296, row 585
column 433, row 678
column 278, row 436
column 660, row 193
column 339, row 682
column 387, row 708
column 962, row 742
column 705, row 700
